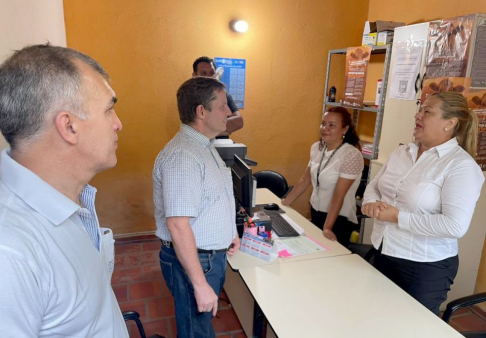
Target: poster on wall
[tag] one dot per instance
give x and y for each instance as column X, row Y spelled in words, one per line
column 476, row 99
column 406, row 67
column 232, row 72
column 449, row 42
column 445, row 84
column 357, row 60
column 481, row 154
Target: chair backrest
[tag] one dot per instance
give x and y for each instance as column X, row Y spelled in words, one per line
column 465, row 302
column 273, row 181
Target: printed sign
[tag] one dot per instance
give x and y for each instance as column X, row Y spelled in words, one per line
column 232, row 72
column 357, row 60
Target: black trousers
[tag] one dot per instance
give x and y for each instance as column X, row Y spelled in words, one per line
column 427, row 282
column 342, row 228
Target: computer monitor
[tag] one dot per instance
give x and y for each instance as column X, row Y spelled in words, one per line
column 243, row 184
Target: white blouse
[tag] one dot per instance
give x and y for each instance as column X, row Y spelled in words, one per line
column 347, row 163
column 436, row 196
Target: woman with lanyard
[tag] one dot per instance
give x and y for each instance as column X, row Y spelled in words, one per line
column 334, row 171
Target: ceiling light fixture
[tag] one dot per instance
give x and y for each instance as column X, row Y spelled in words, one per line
column 239, row 26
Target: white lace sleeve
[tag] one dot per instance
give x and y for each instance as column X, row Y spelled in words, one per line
column 314, row 152
column 352, row 164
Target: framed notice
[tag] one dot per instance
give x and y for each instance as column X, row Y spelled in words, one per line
column 232, row 72
column 357, row 60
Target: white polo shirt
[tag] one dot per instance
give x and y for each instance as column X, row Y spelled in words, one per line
column 54, row 281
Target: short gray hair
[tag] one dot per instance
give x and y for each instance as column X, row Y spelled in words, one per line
column 37, row 82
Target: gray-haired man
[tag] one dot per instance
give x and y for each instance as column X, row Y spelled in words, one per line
column 56, row 112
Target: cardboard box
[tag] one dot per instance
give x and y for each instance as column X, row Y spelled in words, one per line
column 377, row 27
column 384, row 38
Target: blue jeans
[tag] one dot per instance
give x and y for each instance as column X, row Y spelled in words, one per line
column 191, row 323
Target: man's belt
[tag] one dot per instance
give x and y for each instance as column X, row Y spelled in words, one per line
column 169, row 244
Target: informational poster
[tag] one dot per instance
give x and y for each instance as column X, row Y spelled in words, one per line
column 478, row 66
column 449, row 42
column 481, row 155
column 357, row 60
column 406, row 67
column 445, row 84
column 232, row 72
column 476, row 99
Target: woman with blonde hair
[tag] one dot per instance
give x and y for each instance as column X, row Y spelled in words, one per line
column 423, row 200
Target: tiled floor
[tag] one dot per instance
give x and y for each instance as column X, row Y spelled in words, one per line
column 139, row 285
column 469, row 319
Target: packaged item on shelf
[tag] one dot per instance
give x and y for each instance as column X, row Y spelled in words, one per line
column 373, row 28
column 384, row 38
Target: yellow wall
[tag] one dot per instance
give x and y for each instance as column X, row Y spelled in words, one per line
column 148, row 48
column 415, row 11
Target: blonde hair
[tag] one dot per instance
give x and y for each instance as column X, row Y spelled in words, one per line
column 466, row 130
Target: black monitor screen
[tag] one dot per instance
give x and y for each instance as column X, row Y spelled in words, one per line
column 242, row 183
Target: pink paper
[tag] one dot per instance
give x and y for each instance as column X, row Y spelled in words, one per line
column 284, row 253
column 315, row 241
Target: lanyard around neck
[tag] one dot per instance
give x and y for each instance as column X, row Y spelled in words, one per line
column 327, row 162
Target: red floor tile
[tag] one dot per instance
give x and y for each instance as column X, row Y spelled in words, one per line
column 126, row 248
column 161, row 307
column 139, row 286
column 152, row 273
column 138, row 306
column 133, row 330
column 152, row 246
column 160, row 326
column 142, row 259
column 227, row 321
column 454, row 326
column 470, row 322
column 120, row 261
column 121, row 293
column 147, row 290
column 173, row 326
column 126, row 275
column 478, row 311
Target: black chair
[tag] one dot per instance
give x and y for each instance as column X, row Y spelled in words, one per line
column 465, row 302
column 273, row 181
column 135, row 316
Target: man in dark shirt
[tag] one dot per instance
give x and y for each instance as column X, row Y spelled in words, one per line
column 204, row 66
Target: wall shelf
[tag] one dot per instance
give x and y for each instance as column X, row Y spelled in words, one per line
column 386, row 49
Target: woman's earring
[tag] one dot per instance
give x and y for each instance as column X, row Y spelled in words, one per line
column 446, row 129
column 344, row 135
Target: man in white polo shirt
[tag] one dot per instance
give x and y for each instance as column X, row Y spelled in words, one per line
column 56, row 112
